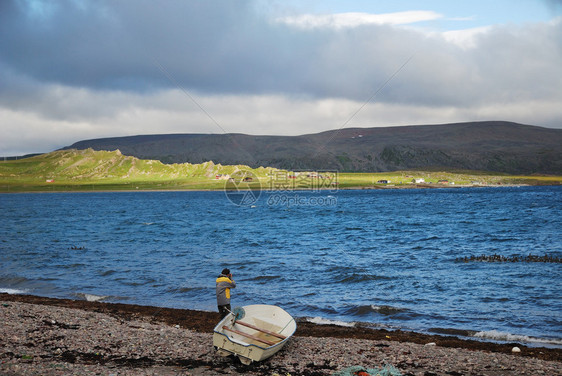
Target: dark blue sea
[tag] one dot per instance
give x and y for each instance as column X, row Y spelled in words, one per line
column 384, row 258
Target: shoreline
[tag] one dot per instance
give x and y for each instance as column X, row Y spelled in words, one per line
column 292, row 190
column 205, row 321
column 47, row 336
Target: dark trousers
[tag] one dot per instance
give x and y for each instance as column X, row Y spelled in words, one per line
column 224, row 310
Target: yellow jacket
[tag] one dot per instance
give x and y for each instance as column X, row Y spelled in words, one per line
column 224, row 284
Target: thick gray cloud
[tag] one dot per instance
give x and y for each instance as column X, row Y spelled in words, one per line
column 210, row 46
column 99, row 64
column 227, row 47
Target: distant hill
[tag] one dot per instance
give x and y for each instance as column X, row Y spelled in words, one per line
column 492, row 146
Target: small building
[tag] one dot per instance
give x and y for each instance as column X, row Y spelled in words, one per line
column 418, row 180
column 382, row 181
column 50, row 181
column 443, row 181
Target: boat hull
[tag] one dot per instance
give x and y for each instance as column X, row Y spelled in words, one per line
column 262, row 332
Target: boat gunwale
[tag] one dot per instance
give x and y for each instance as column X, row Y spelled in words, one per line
column 243, row 343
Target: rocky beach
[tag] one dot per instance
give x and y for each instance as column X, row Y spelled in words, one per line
column 46, row 336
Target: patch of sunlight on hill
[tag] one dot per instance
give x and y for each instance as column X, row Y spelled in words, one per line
column 87, row 166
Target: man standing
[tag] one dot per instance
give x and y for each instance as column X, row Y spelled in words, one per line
column 224, row 284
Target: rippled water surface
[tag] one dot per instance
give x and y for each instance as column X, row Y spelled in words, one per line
column 385, row 257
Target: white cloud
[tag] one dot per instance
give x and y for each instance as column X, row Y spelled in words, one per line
column 29, row 130
column 466, row 38
column 349, row 20
column 25, row 132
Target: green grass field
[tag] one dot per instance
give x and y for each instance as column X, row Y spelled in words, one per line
column 88, row 170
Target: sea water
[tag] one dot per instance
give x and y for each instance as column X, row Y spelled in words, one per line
column 384, row 258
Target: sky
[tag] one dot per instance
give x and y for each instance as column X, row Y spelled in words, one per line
column 72, row 70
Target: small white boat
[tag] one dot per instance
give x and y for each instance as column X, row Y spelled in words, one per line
column 253, row 332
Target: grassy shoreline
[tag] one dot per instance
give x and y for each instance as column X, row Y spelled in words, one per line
column 350, row 182
column 99, row 171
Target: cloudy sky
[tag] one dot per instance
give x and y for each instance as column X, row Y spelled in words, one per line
column 73, row 70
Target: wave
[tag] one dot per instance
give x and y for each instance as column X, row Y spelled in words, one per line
column 326, row 311
column 339, row 268
column 364, row 310
column 99, row 298
column 428, row 238
column 91, row 297
column 264, row 278
column 497, row 335
column 15, row 285
column 71, row 266
column 134, row 283
column 108, row 272
column 357, row 277
column 186, row 289
column 503, row 240
column 350, row 324
column 493, row 335
column 323, row 321
column 11, row 291
column 13, row 280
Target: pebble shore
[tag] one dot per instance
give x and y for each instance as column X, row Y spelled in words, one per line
column 38, row 339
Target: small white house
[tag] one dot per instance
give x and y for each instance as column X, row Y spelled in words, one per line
column 418, row 180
